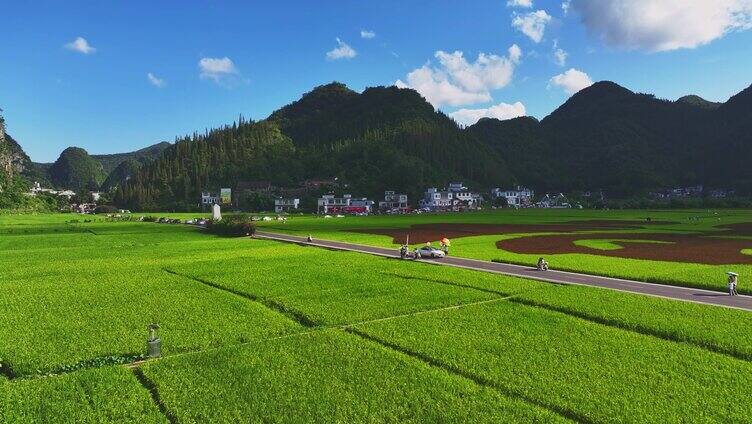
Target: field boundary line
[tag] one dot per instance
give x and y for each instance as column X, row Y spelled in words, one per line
column 479, row 380
column 149, row 385
column 665, row 336
column 427, row 311
column 447, row 283
column 271, row 304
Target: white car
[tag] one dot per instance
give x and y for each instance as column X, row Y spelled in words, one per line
column 430, row 252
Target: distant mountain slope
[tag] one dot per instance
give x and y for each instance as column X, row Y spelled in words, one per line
column 76, row 170
column 698, row 101
column 111, row 161
column 384, row 138
column 604, row 137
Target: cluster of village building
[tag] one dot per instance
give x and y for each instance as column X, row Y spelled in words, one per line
column 691, row 191
column 455, row 197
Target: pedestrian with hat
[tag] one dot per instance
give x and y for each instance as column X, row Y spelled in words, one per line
column 732, row 281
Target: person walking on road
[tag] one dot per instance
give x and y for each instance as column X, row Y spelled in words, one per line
column 732, row 280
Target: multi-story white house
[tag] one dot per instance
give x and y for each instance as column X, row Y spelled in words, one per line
column 435, row 199
column 456, row 197
column 393, row 201
column 282, row 204
column 516, row 197
column 328, row 203
column 207, row 199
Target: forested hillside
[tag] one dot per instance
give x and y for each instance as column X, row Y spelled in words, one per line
column 603, row 138
column 384, row 138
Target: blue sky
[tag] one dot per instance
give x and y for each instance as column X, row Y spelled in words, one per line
column 211, row 60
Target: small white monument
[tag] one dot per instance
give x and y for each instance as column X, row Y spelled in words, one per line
column 216, row 214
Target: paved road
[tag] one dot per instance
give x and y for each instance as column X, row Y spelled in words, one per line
column 660, row 290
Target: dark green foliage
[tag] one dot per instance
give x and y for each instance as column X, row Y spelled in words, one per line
column 385, row 138
column 76, row 170
column 244, row 151
column 110, row 162
column 698, row 101
column 232, row 226
column 608, row 138
column 256, row 202
column 121, row 173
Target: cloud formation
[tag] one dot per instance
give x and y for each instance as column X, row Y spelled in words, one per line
column 520, row 3
column 342, row 51
column 217, row 69
column 80, row 45
column 532, row 24
column 457, row 82
column 501, row 112
column 663, row 25
column 157, row 82
column 560, row 57
column 364, row 33
column 565, row 5
column 571, row 81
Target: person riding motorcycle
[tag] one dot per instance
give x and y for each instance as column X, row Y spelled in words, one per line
column 403, row 251
column 542, row 264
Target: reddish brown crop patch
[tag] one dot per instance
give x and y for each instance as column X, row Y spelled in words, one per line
column 679, row 247
column 704, row 248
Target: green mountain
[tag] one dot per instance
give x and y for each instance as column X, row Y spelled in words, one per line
column 625, row 143
column 16, row 171
column 76, row 170
column 383, row 138
column 111, row 161
column 605, row 137
column 698, row 101
column 120, row 174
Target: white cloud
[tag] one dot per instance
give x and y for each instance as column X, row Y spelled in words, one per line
column 560, row 57
column 565, row 5
column 80, row 45
column 342, row 51
column 217, row 69
column 457, row 82
column 663, row 25
column 157, row 82
column 532, row 24
column 364, row 33
column 571, row 81
column 501, row 111
column 520, row 3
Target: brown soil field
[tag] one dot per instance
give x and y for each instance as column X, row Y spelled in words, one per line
column 742, row 229
column 682, row 248
column 693, row 248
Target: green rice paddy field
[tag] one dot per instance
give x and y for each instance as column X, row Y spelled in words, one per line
column 705, row 224
column 259, row 331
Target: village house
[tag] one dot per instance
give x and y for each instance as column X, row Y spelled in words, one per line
column 208, row 199
column 328, row 203
column 393, row 201
column 557, row 201
column 456, row 197
column 282, row 204
column 517, row 197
